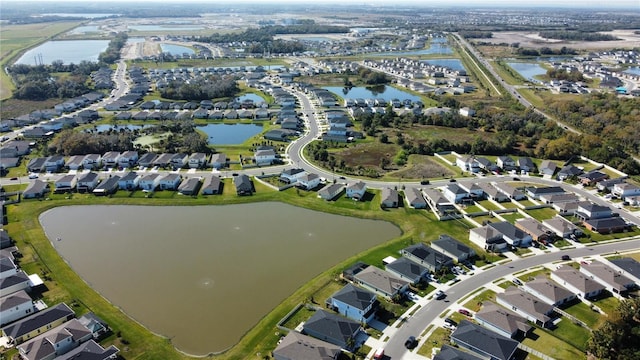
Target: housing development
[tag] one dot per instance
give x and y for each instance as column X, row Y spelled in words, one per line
column 502, row 145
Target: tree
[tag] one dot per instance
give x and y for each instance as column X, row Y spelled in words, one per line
column 619, row 336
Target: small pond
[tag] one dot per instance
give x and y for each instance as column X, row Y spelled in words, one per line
column 453, row 64
column 69, row 51
column 528, row 70
column 176, row 49
column 385, row 92
column 229, row 134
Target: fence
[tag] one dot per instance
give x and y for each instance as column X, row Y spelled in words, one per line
column 535, row 352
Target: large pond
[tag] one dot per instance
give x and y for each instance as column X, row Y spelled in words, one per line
column 229, row 134
column 164, row 27
column 385, row 92
column 69, row 51
column 528, row 70
column 453, row 64
column 204, row 275
column 437, row 46
column 176, row 49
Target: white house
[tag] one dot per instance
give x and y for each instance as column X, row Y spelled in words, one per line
column 197, row 160
column 128, row 181
column 170, row 182
column 309, row 181
column 264, row 157
column 65, row 183
column 625, row 190
column 87, row 182
column 218, row 160
column 92, row 161
column 149, row 182
column 15, row 306
column 356, row 190
column 577, row 282
column 291, row 176
column 110, row 159
column 467, row 163
column 128, row 159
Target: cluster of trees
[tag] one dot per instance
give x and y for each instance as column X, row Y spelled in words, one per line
column 476, row 34
column 275, row 47
column 371, row 77
column 619, row 337
column 69, row 142
column 209, row 87
column 561, row 74
column 112, row 54
column 37, row 83
column 573, row 35
column 546, row 51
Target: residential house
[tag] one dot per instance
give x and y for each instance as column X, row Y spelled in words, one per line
column 163, row 160
column 502, row 321
column 577, row 282
column 606, row 225
column 128, row 159
column 14, row 282
column 92, row 161
column 87, row 182
column 534, row 228
column 389, row 198
column 264, row 157
column 558, row 198
column 149, row 182
column 495, row 236
column 5, row 239
column 191, row 186
column 625, row 190
column 547, row 168
column 291, row 176
column 566, row 208
column 219, row 160
column 483, row 341
column 467, row 163
column 490, row 192
column 474, row 190
column 107, row 186
column 506, row 163
column 592, row 177
column 147, row 160
column 526, row 164
column 627, row 266
column 110, row 159
column 65, row 184
column 454, row 193
column 332, row 328
column 381, row 282
column 408, row 270
column 415, row 199
column 354, row 303
column 453, row 248
column 536, row 192
column 212, row 186
column 96, row 325
column 36, row 189
column 356, row 190
column 54, row 163
column 36, row 165
column 91, row 350
column 75, row 162
column 308, row 181
column 56, row 341
column 15, row 306
column 486, row 164
column 510, row 191
column 526, row 305
column 451, row 353
column 7, row 267
column 562, row 227
column 129, row 181
column 588, row 210
column 198, row 160
column 548, row 291
column 179, row 161
column 607, row 185
column 568, row 172
column 31, row 326
column 617, row 283
column 427, row 256
column 170, row 181
column 297, row 346
column 330, row 192
column 243, row 185
column 8, row 162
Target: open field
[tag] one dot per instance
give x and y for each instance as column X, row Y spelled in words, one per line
column 531, row 39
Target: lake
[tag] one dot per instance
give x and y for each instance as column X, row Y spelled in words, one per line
column 69, row 51
column 437, row 46
column 453, row 64
column 385, row 92
column 528, row 70
column 212, row 271
column 176, row 49
column 164, row 27
column 229, row 134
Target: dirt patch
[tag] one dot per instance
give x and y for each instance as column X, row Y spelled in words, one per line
column 367, row 154
column 528, row 39
column 422, row 167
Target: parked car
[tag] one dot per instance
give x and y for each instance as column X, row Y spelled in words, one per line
column 33, row 176
column 379, row 354
column 439, row 294
column 449, row 326
column 517, row 282
column 465, row 312
column 411, row 342
column 451, row 321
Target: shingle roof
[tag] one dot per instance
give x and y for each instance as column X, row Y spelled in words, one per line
column 548, row 288
column 450, row 353
column 527, row 303
column 484, row 341
column 296, row 346
column 334, row 326
column 407, row 268
column 502, row 318
column 13, row 300
column 38, row 320
column 452, row 246
column 577, row 279
column 354, row 296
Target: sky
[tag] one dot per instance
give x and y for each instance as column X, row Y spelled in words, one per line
column 632, row 4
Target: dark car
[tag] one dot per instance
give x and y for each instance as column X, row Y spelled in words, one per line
column 14, row 178
column 452, row 180
column 566, row 257
column 411, row 342
column 424, row 182
column 451, row 321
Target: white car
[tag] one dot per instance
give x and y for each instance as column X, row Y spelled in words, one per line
column 33, row 176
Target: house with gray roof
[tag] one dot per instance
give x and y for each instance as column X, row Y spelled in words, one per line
column 31, row 326
column 75, row 162
column 170, row 181
column 330, row 192
column 450, row 353
column 415, row 199
column 534, row 228
column 128, row 181
column 562, row 227
column 526, row 305
column 407, row 270
column 356, row 190
column 191, row 186
column 627, row 266
column 291, row 176
column 5, row 239
column 577, row 282
column 297, row 346
column 332, row 328
column 87, row 182
column 389, row 198
column 568, row 172
column 617, row 283
column 36, row 189
column 56, row 341
column 14, row 282
column 427, row 256
column 536, row 192
column 107, row 186
column 219, row 160
column 548, row 168
column 243, row 185
column 492, row 193
column 510, row 191
column 308, row 181
column 381, row 282
column 91, row 350
column 453, row 248
column 502, row 321
column 496, row 236
column 548, row 291
column 14, row 306
column 454, row 193
column 354, row 303
column 212, row 186
column 147, row 160
column 65, row 184
column 526, row 164
column 484, row 341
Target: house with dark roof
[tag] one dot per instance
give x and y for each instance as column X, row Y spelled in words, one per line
column 548, row 168
column 170, row 181
column 36, row 189
column 568, row 172
column 297, row 346
column 454, row 193
column 548, row 291
column 67, row 183
column 191, row 186
column 212, row 186
column 510, row 191
column 129, row 181
column 526, row 305
column 107, row 186
column 291, row 176
column 450, row 353
column 502, row 321
column 87, row 182
column 494, row 236
column 354, row 303
column 492, row 193
column 534, row 228
column 147, row 160
column 427, row 256
column 535, row 192
column 243, row 185
column 592, row 177
column 606, row 225
column 484, row 341
column 332, row 328
column 577, row 282
column 15, row 306
column 35, row 324
column 91, row 350
column 617, row 283
column 526, row 164
column 389, row 198
column 13, row 282
column 588, row 210
column 627, row 266
column 407, row 270
column 453, row 248
column 56, row 341
column 381, row 282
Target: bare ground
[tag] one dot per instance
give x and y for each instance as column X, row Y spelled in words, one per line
column 530, row 39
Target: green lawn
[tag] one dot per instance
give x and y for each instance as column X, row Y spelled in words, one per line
column 583, row 312
column 512, row 217
column 475, row 303
column 550, row 345
column 471, row 209
column 572, row 334
column 526, row 203
column 542, row 214
column 607, row 303
column 439, row 337
column 489, row 205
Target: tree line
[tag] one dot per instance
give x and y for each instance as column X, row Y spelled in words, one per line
column 574, row 35
column 209, row 87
